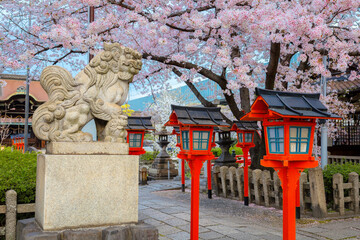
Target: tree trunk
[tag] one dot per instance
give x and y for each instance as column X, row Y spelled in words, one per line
column 259, row 150
column 245, row 99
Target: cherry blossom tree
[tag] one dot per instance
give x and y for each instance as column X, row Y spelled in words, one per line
column 237, row 44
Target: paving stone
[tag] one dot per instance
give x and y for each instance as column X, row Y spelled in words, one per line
column 254, row 230
column 142, row 216
column 177, row 222
column 223, row 229
column 207, row 222
column 162, row 216
column 142, row 207
column 184, row 216
column 153, row 222
column 210, row 235
column 314, row 229
column 341, row 233
column 179, row 236
column 244, row 236
column 166, row 230
column 172, row 210
column 302, row 237
column 186, row 228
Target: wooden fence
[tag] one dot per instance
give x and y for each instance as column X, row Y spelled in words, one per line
column 346, row 195
column 10, row 209
column 343, row 159
column 265, row 189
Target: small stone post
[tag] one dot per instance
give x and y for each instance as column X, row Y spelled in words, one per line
column 354, row 192
column 10, row 227
column 240, row 183
column 215, row 181
column 251, row 183
column 302, row 180
column 317, row 192
column 277, row 185
column 266, row 183
column 256, row 176
column 223, row 173
column 338, row 192
column 232, row 181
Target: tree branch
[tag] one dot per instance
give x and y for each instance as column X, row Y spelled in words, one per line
column 187, row 65
column 198, row 95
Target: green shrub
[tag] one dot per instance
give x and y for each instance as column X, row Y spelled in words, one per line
column 217, row 151
column 343, row 169
column 238, row 151
column 148, row 157
column 18, row 172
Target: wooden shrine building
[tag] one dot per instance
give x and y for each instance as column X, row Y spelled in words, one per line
column 12, row 106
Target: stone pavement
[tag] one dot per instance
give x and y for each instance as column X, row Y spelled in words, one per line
column 162, row 204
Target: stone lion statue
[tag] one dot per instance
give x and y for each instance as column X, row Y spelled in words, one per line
column 95, row 93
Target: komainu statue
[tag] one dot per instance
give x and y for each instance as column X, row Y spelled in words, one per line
column 95, row 93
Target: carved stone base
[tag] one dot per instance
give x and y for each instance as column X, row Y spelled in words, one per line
column 160, row 170
column 28, row 229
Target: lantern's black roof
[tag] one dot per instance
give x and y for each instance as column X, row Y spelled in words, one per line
column 140, row 123
column 209, row 116
column 295, row 104
column 247, row 125
column 176, row 129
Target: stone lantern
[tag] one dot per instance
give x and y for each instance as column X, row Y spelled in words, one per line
column 162, row 167
column 225, row 142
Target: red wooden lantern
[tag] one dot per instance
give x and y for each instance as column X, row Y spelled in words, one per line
column 137, row 126
column 289, row 124
column 245, row 131
column 196, row 133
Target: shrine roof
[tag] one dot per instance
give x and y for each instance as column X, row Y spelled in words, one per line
column 205, row 116
column 140, row 123
column 15, row 85
column 245, row 125
column 288, row 104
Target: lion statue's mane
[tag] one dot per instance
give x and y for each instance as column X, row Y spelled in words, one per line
column 95, row 93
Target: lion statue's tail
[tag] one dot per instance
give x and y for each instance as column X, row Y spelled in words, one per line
column 62, row 91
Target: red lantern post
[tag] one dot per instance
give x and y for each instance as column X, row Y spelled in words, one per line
column 137, row 126
column 245, row 134
column 196, row 132
column 289, row 125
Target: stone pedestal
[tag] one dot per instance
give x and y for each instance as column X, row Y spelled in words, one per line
column 86, row 190
column 84, row 186
column 159, row 168
column 28, row 229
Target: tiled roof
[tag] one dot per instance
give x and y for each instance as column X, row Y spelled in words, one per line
column 342, row 84
column 14, row 86
column 140, row 123
column 246, row 125
column 199, row 116
column 295, row 104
